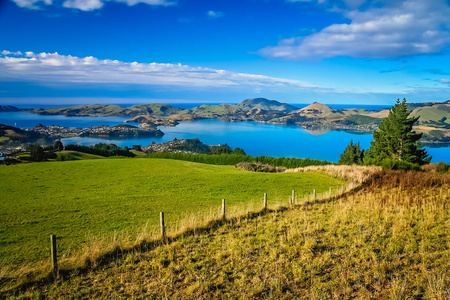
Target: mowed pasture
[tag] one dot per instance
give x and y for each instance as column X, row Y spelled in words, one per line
column 109, row 199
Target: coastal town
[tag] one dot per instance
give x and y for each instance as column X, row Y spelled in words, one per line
column 118, row 131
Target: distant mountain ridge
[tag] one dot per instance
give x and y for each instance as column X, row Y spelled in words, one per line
column 434, row 119
column 109, row 110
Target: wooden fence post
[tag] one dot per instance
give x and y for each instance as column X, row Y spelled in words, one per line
column 314, row 194
column 330, row 192
column 293, row 197
column 163, row 227
column 54, row 253
column 265, row 201
column 223, row 209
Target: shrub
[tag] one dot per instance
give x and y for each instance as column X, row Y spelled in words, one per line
column 389, row 164
column 233, row 159
column 442, row 167
column 258, row 167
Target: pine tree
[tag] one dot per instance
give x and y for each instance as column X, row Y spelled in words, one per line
column 395, row 140
column 353, row 154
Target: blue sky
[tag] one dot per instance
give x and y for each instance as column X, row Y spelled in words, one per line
column 297, row 51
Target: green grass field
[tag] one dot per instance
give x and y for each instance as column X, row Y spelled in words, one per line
column 81, row 200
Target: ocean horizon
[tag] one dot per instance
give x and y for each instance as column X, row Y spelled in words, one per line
column 189, row 105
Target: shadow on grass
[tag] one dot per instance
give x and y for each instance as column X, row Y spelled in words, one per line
column 118, row 253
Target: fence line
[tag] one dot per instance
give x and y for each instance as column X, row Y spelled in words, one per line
column 339, row 192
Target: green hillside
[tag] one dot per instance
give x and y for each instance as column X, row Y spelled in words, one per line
column 75, row 155
column 83, row 110
column 211, row 111
column 437, row 115
column 266, row 104
column 87, row 200
column 157, row 109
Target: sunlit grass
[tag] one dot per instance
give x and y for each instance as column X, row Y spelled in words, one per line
column 82, row 202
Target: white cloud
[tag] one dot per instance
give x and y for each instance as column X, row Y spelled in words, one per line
column 6, row 52
column 32, row 4
column 84, row 5
column 53, row 68
column 407, row 28
column 87, row 5
column 215, row 14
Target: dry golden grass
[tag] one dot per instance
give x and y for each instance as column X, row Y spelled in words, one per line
column 357, row 174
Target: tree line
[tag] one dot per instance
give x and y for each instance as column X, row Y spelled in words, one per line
column 233, row 159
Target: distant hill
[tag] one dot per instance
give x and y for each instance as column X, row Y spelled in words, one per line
column 211, row 111
column 156, row 109
column 318, row 110
column 8, row 108
column 412, row 106
column 265, row 104
column 11, row 136
column 107, row 110
column 437, row 115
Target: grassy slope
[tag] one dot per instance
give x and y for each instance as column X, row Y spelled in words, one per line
column 389, row 241
column 434, row 116
column 75, row 155
column 361, row 120
column 78, row 200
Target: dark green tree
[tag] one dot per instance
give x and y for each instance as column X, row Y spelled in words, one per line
column 37, row 153
column 395, row 140
column 221, row 149
column 58, row 146
column 239, row 151
column 353, row 154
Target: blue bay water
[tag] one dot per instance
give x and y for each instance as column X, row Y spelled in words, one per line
column 255, row 138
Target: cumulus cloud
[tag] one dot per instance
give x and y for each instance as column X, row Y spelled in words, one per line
column 86, row 5
column 397, row 29
column 53, row 68
column 214, row 14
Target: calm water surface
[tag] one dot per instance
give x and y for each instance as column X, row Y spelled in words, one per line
column 262, row 139
column 254, row 138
